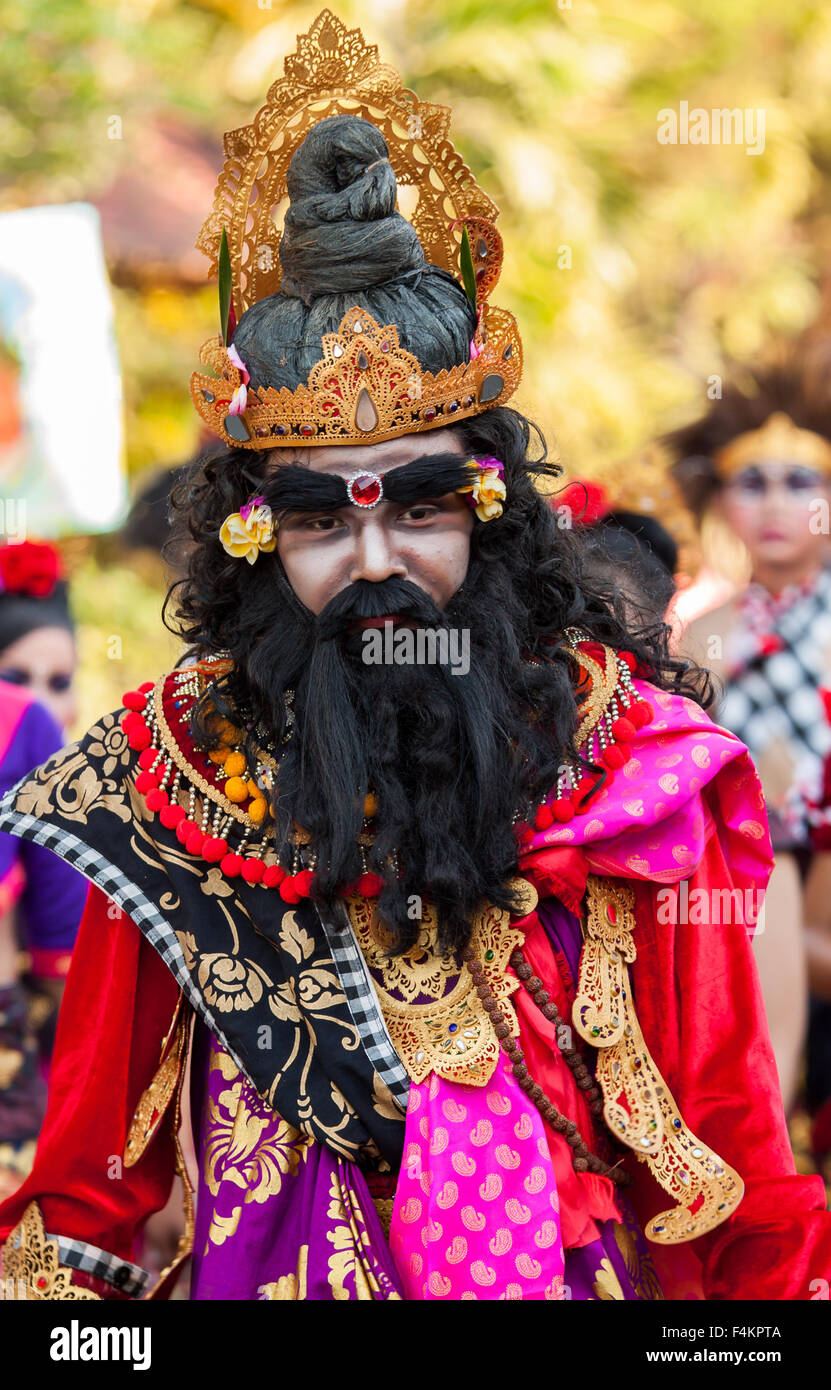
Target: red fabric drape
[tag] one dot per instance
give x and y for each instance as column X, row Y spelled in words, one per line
column 118, row 1004
column 699, row 1001
column 700, row 1004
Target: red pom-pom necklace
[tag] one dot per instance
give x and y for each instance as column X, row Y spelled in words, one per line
column 204, row 833
column 609, row 744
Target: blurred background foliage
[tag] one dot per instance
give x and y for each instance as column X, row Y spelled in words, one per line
column 635, row 268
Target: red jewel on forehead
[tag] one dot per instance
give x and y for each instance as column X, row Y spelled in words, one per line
column 365, row 489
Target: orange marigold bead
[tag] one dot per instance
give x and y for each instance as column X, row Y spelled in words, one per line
column 218, row 755
column 235, row 764
column 236, row 790
column 370, row 805
column 257, row 810
column 224, row 730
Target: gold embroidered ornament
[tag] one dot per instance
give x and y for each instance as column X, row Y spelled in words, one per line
column 366, row 388
column 638, row 1106
column 32, row 1264
column 154, row 1101
column 434, row 1015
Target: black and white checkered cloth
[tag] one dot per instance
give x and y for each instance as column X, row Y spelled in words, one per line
column 128, row 1278
column 364, row 1007
column 124, row 893
column 346, row 954
column 774, row 699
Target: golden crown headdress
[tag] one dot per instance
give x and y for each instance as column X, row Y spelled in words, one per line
column 365, row 388
column 778, row 440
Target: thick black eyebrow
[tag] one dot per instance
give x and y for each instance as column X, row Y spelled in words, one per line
column 293, row 488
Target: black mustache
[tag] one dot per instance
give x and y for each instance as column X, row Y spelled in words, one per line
column 365, row 599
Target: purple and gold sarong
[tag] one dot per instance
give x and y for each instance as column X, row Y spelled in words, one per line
column 281, row 1216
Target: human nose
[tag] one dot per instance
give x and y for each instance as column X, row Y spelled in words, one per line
column 781, row 492
column 376, row 557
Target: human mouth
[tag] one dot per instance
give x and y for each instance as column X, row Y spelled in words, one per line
column 397, row 619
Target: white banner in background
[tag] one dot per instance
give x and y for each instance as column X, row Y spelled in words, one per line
column 61, row 419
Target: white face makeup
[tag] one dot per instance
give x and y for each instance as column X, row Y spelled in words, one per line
column 43, row 662
column 770, row 506
column 426, row 542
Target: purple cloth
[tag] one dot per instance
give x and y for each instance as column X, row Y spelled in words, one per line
column 618, row 1267
column 564, row 932
column 280, row 1216
column 54, row 894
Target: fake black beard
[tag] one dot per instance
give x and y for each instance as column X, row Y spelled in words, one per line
column 437, row 750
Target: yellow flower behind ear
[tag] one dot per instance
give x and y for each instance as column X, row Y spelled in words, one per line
column 244, row 536
column 489, row 493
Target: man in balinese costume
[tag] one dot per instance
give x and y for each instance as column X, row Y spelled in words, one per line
column 421, row 923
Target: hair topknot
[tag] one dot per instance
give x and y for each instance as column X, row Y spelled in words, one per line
column 342, row 231
column 344, row 244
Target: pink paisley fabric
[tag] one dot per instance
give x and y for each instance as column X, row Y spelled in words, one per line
column 654, row 821
column 476, row 1212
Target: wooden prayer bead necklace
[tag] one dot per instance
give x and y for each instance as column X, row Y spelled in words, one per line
column 549, row 1010
column 583, row 1160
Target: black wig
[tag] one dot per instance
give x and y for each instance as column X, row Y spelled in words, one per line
column 453, row 762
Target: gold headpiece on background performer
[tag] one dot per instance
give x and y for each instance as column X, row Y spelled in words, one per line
column 778, row 440
column 365, row 388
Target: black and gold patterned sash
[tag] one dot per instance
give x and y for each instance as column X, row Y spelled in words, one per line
column 259, row 972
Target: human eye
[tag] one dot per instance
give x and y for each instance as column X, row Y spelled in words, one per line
column 321, row 525
column 420, row 511
column 802, row 480
column 751, row 482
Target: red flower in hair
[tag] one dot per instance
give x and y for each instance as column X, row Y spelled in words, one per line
column 32, row 568
column 587, row 502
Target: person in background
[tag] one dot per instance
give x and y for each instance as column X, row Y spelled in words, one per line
column 761, row 458
column 41, row 897
column 37, row 634
column 630, row 552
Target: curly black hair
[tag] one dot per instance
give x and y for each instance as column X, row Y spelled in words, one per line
column 208, row 606
column 525, row 586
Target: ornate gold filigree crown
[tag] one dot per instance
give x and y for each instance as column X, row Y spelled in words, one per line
column 366, row 387
column 778, row 440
